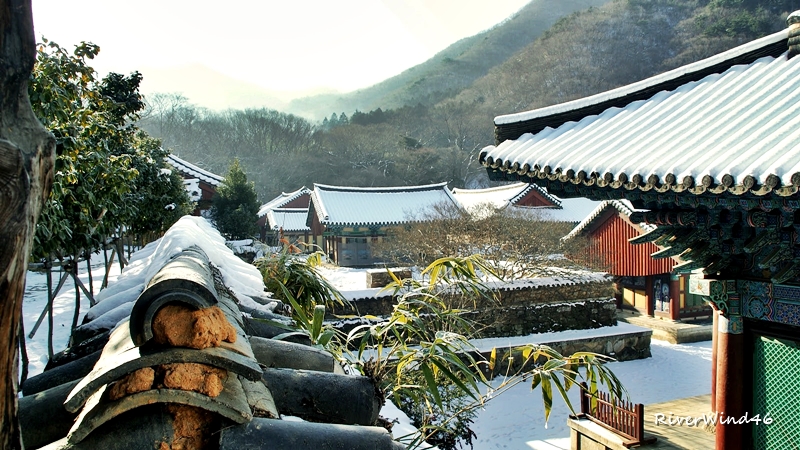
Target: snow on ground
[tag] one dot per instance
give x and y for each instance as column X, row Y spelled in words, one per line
column 35, row 301
column 511, row 420
column 515, row 418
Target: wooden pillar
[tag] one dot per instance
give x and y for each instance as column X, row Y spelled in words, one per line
column 729, row 392
column 648, row 295
column 714, row 342
column 675, row 299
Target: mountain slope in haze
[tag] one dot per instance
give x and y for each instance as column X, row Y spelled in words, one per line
column 452, row 69
column 617, row 44
column 218, row 91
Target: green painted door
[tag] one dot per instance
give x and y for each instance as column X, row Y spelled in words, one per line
column 776, row 394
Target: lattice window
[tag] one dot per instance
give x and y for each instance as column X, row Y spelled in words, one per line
column 776, row 390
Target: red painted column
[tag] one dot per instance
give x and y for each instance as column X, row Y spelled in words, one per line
column 714, row 342
column 729, row 392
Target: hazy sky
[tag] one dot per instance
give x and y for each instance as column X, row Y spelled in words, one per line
column 281, row 45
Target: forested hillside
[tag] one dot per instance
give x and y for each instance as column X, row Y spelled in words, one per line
column 452, row 69
column 425, row 142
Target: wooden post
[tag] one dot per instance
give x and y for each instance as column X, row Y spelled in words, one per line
column 27, row 157
column 729, row 390
column 49, row 267
column 585, row 398
column 714, row 343
column 89, row 269
column 639, row 420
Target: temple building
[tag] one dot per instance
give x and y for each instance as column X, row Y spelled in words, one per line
column 199, row 183
column 708, row 155
column 645, row 283
column 346, row 221
column 286, row 214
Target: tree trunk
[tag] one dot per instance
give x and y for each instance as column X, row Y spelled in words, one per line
column 26, row 170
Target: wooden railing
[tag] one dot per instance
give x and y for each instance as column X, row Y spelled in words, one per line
column 620, row 416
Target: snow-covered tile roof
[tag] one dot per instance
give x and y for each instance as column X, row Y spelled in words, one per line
column 192, row 171
column 282, row 200
column 499, row 196
column 736, row 130
column 290, row 219
column 624, row 207
column 340, row 205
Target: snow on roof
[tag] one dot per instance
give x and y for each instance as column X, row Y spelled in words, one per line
column 243, row 279
column 289, row 219
column 572, row 209
column 624, row 207
column 192, row 171
column 733, row 131
column 499, row 197
column 625, row 91
column 282, row 200
column 341, row 205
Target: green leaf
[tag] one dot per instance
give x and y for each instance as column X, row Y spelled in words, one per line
column 455, row 379
column 319, row 317
column 563, row 392
column 547, row 396
column 432, row 386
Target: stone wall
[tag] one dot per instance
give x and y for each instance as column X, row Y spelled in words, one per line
column 521, row 320
column 622, row 347
column 380, row 277
column 518, row 310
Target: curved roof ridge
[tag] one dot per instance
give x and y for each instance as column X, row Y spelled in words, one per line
column 512, row 186
column 282, row 199
column 193, row 170
column 329, row 187
column 622, row 206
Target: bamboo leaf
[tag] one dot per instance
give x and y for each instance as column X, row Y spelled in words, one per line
column 547, row 396
column 316, row 325
column 326, row 336
column 455, row 379
column 563, row 393
column 535, row 380
column 433, row 388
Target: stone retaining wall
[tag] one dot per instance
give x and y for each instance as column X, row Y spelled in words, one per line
column 521, row 320
column 622, row 347
column 518, row 311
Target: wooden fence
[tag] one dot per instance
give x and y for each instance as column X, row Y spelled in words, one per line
column 620, row 416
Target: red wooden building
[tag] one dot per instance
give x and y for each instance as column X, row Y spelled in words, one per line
column 200, row 183
column 644, row 283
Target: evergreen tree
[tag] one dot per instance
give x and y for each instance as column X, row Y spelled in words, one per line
column 234, row 210
column 103, row 160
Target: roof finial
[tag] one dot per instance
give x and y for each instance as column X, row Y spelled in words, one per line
column 794, row 33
